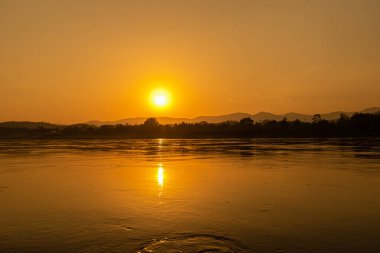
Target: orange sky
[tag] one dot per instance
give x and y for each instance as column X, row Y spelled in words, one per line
column 74, row 61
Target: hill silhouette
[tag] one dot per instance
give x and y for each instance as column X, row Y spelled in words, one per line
column 29, row 125
column 260, row 116
column 357, row 125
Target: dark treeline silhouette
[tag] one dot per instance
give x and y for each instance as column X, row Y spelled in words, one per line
column 358, row 125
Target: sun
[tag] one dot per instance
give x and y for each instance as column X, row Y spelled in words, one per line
column 160, row 98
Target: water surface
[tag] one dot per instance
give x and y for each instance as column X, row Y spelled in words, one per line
column 190, row 195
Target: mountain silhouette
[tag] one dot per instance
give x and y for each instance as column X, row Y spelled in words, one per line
column 260, row 116
column 29, row 125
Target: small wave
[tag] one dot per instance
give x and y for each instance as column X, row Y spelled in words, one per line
column 194, row 243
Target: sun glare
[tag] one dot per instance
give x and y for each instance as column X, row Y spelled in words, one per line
column 160, row 98
column 160, row 175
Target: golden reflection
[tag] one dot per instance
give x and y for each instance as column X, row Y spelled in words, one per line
column 160, row 175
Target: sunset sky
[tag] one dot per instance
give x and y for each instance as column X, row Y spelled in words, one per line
column 74, row 61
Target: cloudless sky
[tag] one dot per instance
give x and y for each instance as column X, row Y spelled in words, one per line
column 74, row 60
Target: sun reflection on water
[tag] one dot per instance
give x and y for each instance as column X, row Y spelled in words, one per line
column 160, row 178
column 160, row 175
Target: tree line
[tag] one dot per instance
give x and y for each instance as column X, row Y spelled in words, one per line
column 357, row 125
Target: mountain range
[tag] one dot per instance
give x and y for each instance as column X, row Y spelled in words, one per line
column 260, row 116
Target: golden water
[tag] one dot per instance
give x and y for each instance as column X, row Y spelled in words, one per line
column 263, row 195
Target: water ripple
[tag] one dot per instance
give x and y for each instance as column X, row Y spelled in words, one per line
column 194, row 243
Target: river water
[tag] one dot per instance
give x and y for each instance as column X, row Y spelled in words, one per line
column 190, row 195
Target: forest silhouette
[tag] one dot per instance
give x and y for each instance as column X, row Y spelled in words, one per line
column 357, row 125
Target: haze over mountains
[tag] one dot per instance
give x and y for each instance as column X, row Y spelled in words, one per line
column 260, row 116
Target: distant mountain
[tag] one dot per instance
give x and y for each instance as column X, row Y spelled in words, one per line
column 137, row 121
column 216, row 119
column 294, row 116
column 28, row 124
column 371, row 110
column 260, row 116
